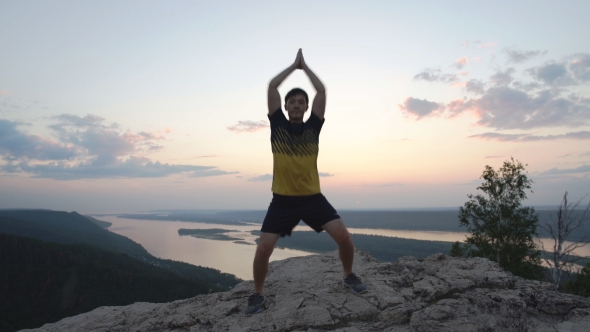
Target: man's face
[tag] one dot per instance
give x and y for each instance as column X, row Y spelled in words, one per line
column 296, row 107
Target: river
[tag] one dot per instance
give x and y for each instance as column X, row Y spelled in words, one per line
column 161, row 239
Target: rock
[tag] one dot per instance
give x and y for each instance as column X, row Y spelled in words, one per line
column 440, row 293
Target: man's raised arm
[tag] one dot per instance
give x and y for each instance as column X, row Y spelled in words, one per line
column 274, row 98
column 319, row 101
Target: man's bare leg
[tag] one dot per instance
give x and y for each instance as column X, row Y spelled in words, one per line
column 265, row 247
column 340, row 234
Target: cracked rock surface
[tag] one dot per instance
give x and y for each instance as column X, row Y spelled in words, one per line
column 440, row 293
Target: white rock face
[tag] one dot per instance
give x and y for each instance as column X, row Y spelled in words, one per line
column 440, row 293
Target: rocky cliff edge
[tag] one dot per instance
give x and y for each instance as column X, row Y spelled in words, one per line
column 439, row 293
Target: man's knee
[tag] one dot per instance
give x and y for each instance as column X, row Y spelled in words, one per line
column 266, row 245
column 264, row 249
column 344, row 239
column 338, row 232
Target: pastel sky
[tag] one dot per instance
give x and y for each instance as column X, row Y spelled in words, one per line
column 109, row 106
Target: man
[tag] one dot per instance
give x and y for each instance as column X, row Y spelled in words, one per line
column 296, row 183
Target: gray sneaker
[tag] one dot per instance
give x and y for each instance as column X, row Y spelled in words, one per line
column 254, row 305
column 355, row 284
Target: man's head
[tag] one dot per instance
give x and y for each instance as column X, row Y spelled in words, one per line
column 296, row 104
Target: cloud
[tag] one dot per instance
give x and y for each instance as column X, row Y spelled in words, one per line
column 572, row 70
column 4, row 92
column 503, row 77
column 435, row 75
column 586, row 154
column 550, row 95
column 556, row 171
column 492, row 157
column 155, row 148
column 324, row 174
column 15, row 144
column 134, row 167
column 503, row 107
column 104, row 143
column 201, row 173
column 475, row 86
column 580, row 66
column 579, row 135
column 265, row 177
column 553, row 73
column 461, row 62
column 526, row 86
column 87, row 148
column 517, row 56
column 197, row 157
column 248, row 126
column 420, row 107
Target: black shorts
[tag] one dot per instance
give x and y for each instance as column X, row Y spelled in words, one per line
column 285, row 212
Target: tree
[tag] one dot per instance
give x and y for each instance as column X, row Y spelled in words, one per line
column 501, row 229
column 562, row 258
column 581, row 284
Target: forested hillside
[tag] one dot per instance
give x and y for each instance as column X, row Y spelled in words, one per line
column 43, row 282
column 65, row 227
column 68, row 228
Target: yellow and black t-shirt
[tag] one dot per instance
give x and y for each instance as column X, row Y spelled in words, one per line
column 295, row 150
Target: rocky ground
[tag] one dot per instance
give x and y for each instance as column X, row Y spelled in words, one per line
column 440, row 293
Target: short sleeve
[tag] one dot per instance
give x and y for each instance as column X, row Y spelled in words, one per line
column 315, row 122
column 277, row 118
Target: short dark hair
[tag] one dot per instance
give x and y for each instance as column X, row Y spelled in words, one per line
column 297, row 91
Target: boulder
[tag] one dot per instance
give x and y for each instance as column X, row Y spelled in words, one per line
column 439, row 293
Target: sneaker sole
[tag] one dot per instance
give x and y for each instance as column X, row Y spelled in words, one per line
column 259, row 309
column 352, row 290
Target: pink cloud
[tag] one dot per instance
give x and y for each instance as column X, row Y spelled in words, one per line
column 461, row 62
column 503, row 107
column 4, row 92
column 87, row 148
column 459, row 84
column 248, row 126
